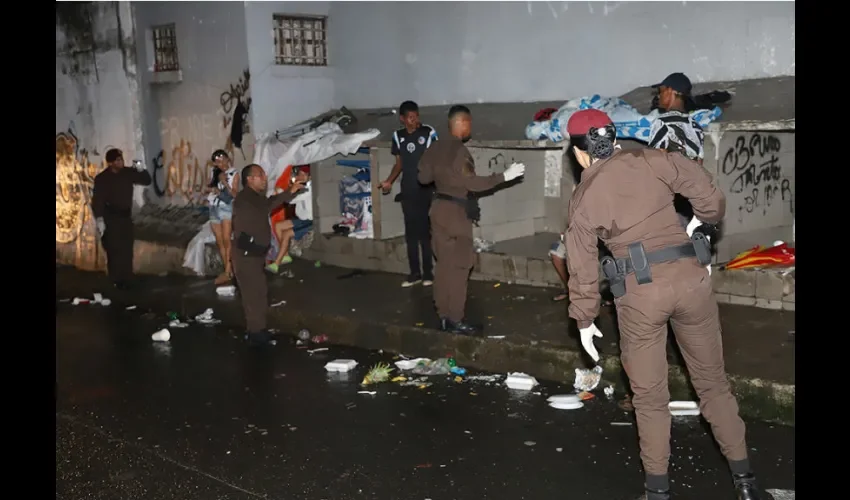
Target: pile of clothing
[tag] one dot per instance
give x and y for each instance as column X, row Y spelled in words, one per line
column 355, row 205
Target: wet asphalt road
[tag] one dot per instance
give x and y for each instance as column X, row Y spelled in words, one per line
column 204, row 417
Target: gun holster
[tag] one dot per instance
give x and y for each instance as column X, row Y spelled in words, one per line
column 615, row 274
column 640, row 263
column 246, row 243
column 702, row 247
column 473, row 209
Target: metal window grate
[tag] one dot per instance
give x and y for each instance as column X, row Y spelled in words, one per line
column 300, row 40
column 165, row 48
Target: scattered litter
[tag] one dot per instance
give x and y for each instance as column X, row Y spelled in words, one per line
column 566, row 405
column 304, row 335
column 497, row 337
column 622, row 424
column 318, row 263
column 281, row 303
column 564, row 398
column 559, row 450
column 584, row 395
column 409, row 364
column 420, row 324
column 400, row 378
column 609, row 391
column 483, row 378
column 684, row 408
column 520, row 381
column 340, row 365
column 64, row 301
column 353, row 310
column 206, row 318
column 497, row 285
column 226, row 291
column 161, row 336
column 98, row 299
column 176, row 323
column 130, row 308
column 587, row 379
column 378, row 373
column 482, row 245
column 519, row 297
column 458, row 370
column 458, row 380
column 319, row 339
column 320, row 349
column 371, row 393
column 529, row 443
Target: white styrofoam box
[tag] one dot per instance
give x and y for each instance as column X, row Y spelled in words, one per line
column 340, row 365
column 520, row 381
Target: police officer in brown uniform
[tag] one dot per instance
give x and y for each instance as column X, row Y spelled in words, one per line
column 657, row 274
column 252, row 236
column 112, row 203
column 451, row 168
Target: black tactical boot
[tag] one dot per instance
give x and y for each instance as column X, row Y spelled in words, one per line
column 459, row 328
column 655, row 495
column 746, row 488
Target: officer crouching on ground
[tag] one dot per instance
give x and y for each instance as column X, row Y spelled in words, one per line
column 657, row 275
column 252, row 237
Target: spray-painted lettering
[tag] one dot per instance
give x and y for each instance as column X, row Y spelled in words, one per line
column 75, row 174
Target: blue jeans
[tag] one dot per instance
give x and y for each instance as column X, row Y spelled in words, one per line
column 220, row 212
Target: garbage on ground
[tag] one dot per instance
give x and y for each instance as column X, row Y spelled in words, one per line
column 623, row 424
column 587, row 379
column 684, row 408
column 161, row 336
column 318, row 263
column 176, row 323
column 496, row 337
column 226, row 291
column 206, row 318
column 458, row 370
column 130, row 308
column 567, row 406
column 378, row 373
column 98, row 299
column 304, row 335
column 320, row 349
column 520, row 381
column 409, row 364
column 564, row 398
column 441, row 366
column 319, row 339
column 281, row 303
column 584, row 395
column 609, row 391
column 778, row 255
column 340, row 365
column 484, row 378
column 371, row 393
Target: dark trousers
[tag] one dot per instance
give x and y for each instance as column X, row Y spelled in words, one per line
column 417, row 233
column 681, row 293
column 253, row 289
column 118, row 242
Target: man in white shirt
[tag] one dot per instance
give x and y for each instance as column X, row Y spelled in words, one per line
column 299, row 225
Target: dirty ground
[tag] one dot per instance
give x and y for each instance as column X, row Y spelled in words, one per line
column 202, row 416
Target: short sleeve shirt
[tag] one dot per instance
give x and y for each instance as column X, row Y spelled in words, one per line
column 410, row 147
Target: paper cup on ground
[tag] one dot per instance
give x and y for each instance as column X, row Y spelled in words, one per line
column 161, row 336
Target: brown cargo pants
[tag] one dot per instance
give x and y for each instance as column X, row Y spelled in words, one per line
column 253, row 288
column 680, row 292
column 455, row 257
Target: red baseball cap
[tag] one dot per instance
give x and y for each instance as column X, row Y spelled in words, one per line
column 582, row 121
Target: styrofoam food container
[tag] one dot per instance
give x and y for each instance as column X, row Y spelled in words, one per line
column 566, row 406
column 520, row 381
column 564, row 399
column 683, row 405
column 340, row 365
column 685, row 413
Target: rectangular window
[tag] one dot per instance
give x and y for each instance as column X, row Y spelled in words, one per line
column 300, row 40
column 165, row 48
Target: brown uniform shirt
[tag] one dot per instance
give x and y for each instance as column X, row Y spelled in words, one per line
column 626, row 199
column 451, row 168
column 251, row 214
column 113, row 191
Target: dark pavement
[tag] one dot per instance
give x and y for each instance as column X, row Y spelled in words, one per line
column 205, row 417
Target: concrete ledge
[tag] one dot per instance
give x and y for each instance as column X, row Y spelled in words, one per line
column 757, row 398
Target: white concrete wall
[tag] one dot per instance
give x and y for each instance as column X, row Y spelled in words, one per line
column 444, row 52
column 189, row 113
column 289, row 94
column 97, row 108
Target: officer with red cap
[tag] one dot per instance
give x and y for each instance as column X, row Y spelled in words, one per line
column 657, row 274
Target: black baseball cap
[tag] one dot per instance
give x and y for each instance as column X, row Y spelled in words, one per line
column 678, row 82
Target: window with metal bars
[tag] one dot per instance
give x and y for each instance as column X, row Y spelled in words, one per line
column 300, row 40
column 165, row 48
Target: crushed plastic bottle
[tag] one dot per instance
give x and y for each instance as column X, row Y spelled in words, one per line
column 172, row 315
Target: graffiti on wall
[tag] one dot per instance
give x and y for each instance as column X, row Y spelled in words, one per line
column 756, row 184
column 236, row 104
column 75, row 173
column 186, row 177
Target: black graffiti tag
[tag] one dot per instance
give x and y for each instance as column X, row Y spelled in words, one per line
column 498, row 163
column 158, row 164
column 754, row 168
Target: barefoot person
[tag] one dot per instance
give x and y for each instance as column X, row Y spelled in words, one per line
column 226, row 185
column 294, row 229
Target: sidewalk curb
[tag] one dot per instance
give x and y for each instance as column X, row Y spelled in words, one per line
column 757, row 398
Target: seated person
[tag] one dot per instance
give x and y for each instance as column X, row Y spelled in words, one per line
column 299, row 225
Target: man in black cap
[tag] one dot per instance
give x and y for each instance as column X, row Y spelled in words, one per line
column 675, row 130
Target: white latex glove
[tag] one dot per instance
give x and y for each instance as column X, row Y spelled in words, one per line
column 587, row 335
column 692, row 225
column 101, row 226
column 514, row 171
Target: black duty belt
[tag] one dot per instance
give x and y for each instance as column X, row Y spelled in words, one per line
column 448, row 197
column 470, row 204
column 640, row 261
